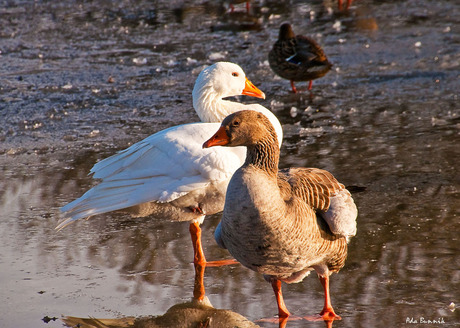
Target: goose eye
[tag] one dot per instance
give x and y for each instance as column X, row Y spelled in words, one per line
column 235, row 74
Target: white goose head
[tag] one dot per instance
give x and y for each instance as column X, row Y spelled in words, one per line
column 218, row 81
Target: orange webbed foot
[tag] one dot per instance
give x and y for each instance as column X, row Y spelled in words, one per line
column 325, row 315
column 221, row 263
column 329, row 315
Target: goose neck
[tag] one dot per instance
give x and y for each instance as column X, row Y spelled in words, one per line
column 264, row 155
column 210, row 106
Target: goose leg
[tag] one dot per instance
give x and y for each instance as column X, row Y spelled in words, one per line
column 282, row 310
column 198, row 287
column 328, row 312
column 310, row 84
column 221, row 263
column 198, row 254
column 199, row 261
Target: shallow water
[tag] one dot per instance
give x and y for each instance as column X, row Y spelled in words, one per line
column 81, row 80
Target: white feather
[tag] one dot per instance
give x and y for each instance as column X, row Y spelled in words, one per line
column 341, row 214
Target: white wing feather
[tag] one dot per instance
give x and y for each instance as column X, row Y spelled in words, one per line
column 162, row 167
column 342, row 214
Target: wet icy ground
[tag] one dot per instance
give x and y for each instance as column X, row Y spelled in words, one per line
column 81, row 80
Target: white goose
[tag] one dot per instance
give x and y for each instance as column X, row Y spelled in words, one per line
column 168, row 175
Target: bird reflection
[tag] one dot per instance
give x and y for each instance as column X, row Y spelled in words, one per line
column 190, row 314
column 282, row 322
column 222, row 18
column 361, row 20
column 236, row 21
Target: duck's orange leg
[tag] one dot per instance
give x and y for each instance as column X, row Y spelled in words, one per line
column 310, row 84
column 348, row 4
column 293, row 87
column 282, row 310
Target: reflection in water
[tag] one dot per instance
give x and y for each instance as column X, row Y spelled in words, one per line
column 287, row 321
column 191, row 314
column 222, row 19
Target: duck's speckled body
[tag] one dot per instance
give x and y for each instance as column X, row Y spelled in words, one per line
column 297, row 58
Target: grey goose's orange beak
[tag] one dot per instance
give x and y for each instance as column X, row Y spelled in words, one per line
column 220, row 138
column 251, row 90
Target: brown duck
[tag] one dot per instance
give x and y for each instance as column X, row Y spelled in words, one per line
column 282, row 223
column 297, row 58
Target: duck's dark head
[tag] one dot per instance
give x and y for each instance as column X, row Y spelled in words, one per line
column 286, row 32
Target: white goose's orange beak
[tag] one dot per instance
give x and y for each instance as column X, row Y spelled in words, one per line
column 220, row 138
column 251, row 90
